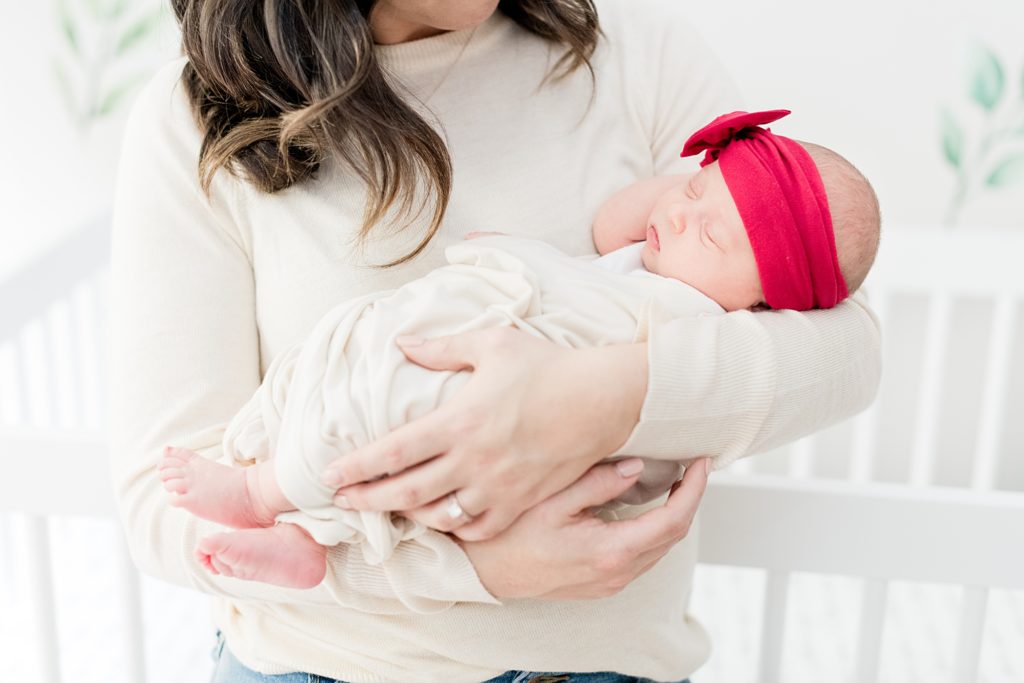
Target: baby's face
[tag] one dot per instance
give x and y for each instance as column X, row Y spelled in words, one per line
column 695, row 234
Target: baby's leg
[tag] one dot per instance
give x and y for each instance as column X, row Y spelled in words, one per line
column 284, row 555
column 240, row 497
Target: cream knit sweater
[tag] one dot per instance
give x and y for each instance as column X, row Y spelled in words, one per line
column 207, row 293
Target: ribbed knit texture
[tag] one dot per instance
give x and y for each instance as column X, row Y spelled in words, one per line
column 207, row 293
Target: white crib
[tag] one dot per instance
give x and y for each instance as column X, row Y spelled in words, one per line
column 860, row 500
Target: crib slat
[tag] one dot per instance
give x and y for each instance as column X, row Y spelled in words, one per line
column 6, row 542
column 993, row 409
column 872, row 625
column 50, row 366
column 801, row 458
column 773, row 625
column 926, row 427
column 972, row 626
column 22, row 362
column 41, row 573
column 131, row 600
column 743, row 466
column 865, row 427
column 100, row 294
column 87, row 355
column 77, row 373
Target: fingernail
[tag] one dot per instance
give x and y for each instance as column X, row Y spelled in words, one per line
column 342, row 502
column 409, row 340
column 707, row 466
column 629, row 468
column 333, row 478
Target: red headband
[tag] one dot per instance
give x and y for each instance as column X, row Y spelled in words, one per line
column 781, row 199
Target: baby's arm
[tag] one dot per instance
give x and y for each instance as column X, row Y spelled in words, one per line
column 622, row 218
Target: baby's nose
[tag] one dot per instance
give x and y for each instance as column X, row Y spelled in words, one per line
column 679, row 218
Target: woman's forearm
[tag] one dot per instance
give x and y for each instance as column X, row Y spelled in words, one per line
column 743, row 382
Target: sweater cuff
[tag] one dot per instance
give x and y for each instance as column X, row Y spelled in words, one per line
column 711, row 383
column 403, row 582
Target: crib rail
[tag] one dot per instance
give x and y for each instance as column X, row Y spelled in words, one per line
column 59, row 473
column 50, row 277
column 869, row 530
column 881, row 532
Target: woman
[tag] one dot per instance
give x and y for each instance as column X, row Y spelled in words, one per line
column 365, row 137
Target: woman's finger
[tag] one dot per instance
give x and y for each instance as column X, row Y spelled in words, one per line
column 487, row 525
column 413, row 488
column 599, row 485
column 669, row 523
column 473, row 234
column 436, row 515
column 455, row 352
column 400, row 449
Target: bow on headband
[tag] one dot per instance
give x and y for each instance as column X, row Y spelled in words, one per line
column 781, row 199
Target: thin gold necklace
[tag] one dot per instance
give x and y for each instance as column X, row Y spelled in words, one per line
column 451, row 67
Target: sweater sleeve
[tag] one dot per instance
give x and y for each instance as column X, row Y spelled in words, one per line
column 184, row 357
column 739, row 383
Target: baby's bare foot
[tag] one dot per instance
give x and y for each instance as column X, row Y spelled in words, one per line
column 228, row 495
column 283, row 555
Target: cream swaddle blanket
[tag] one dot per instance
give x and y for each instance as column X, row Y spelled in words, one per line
column 348, row 383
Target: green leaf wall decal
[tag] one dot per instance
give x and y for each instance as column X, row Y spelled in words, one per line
column 96, row 8
column 102, row 35
column 112, row 98
column 67, row 25
column 987, row 78
column 67, row 91
column 137, row 31
column 1007, row 172
column 952, row 139
column 116, row 9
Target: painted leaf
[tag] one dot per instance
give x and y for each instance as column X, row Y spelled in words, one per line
column 116, row 8
column 97, row 8
column 952, row 139
column 138, row 31
column 115, row 95
column 67, row 26
column 987, row 78
column 1007, row 172
column 67, row 91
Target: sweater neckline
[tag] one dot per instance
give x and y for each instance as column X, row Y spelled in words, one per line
column 426, row 55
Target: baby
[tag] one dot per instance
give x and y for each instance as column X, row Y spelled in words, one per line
column 766, row 222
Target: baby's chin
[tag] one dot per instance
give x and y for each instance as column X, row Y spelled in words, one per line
column 649, row 258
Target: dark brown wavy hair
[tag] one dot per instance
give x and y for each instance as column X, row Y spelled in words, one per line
column 276, row 85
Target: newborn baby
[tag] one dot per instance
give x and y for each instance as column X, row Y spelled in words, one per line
column 766, row 222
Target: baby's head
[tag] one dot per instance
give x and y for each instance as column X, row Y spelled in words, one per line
column 696, row 233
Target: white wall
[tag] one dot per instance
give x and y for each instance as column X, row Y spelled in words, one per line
column 54, row 175
column 870, row 79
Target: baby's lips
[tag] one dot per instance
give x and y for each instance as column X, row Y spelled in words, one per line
column 652, row 238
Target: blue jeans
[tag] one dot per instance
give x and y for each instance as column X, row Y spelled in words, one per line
column 230, row 670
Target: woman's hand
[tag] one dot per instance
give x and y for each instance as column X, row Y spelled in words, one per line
column 560, row 550
column 530, row 421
